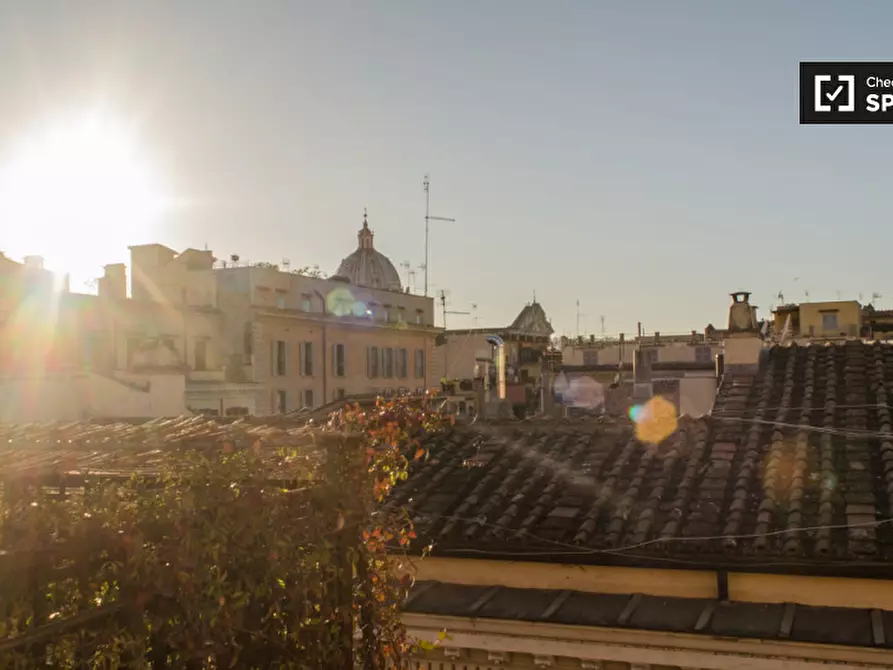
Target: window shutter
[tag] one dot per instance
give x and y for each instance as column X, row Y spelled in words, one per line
column 334, row 355
column 273, row 358
column 312, row 359
column 301, row 358
column 368, row 363
column 287, row 358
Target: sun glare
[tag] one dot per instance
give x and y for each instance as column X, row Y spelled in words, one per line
column 74, row 186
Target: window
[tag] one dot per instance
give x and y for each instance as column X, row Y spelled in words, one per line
column 590, row 358
column 338, row 360
column 387, row 363
column 387, row 316
column 703, row 354
column 402, row 363
column 651, row 355
column 339, row 394
column 306, row 363
column 419, row 363
column 308, row 398
column 280, row 300
column 306, row 305
column 280, row 358
column 418, row 319
column 829, row 321
column 200, row 355
column 372, row 362
column 281, row 402
column 237, row 411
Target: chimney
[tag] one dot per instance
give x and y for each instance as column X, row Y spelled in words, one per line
column 742, row 315
column 742, row 344
column 622, row 351
column 35, row 262
column 720, row 365
column 643, row 389
column 639, row 329
column 113, row 284
column 657, row 337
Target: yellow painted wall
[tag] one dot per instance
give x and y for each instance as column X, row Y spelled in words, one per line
column 849, row 318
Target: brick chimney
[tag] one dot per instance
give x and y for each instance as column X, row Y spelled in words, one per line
column 113, row 284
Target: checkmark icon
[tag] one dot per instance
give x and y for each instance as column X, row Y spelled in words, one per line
column 833, row 96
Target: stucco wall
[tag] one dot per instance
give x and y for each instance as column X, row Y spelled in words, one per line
column 69, row 397
column 696, row 395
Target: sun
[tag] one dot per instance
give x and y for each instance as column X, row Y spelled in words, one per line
column 75, row 188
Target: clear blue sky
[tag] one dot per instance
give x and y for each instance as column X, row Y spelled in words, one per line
column 642, row 156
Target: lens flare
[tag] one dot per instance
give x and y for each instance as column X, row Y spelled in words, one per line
column 655, row 421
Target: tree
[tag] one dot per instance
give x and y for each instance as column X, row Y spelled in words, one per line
column 310, row 271
column 265, row 547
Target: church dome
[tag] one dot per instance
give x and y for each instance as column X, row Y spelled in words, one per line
column 368, row 267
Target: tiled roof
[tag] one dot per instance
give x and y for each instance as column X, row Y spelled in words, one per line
column 121, row 447
column 818, row 625
column 794, row 448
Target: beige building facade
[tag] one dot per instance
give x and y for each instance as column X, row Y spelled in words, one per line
column 72, row 356
column 302, row 341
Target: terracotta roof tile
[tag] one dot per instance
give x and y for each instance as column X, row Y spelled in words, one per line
column 791, row 466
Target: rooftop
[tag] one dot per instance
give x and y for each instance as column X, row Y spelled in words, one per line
column 800, row 623
column 793, row 472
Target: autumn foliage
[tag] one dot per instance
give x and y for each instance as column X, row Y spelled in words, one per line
column 250, row 556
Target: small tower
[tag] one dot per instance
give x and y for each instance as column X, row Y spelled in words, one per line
column 365, row 236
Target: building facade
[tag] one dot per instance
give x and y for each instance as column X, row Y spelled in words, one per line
column 304, row 341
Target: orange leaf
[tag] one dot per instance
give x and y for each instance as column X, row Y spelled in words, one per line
column 419, row 453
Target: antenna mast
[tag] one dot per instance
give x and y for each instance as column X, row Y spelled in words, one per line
column 445, row 311
column 428, row 218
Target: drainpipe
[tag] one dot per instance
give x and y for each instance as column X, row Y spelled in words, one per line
column 325, row 349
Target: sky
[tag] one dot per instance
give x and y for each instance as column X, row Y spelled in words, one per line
column 643, row 157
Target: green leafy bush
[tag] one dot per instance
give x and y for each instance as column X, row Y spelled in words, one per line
column 266, row 554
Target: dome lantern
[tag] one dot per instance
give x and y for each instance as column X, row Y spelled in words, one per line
column 368, row 267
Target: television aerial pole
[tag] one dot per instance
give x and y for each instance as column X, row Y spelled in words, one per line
column 443, row 305
column 428, row 218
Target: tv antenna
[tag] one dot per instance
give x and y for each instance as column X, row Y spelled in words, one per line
column 780, row 297
column 578, row 318
column 474, row 312
column 428, row 218
column 445, row 311
column 286, row 263
column 875, row 297
column 602, row 319
column 406, row 265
